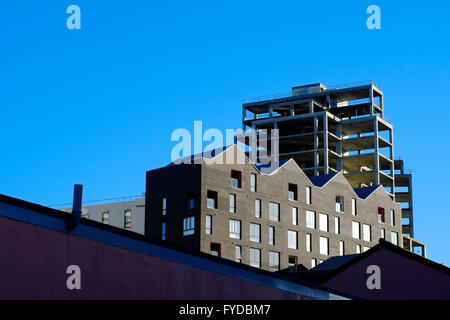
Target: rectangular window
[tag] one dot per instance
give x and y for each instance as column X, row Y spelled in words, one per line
column 383, row 233
column 208, row 224
column 163, row 231
column 292, row 239
column 310, row 219
column 323, row 246
column 355, row 230
column 323, row 222
column 232, row 203
column 313, row 262
column 255, row 257
column 105, row 217
column 236, row 179
column 308, row 242
column 253, row 182
column 127, row 219
column 367, row 235
column 340, row 203
column 392, row 218
column 337, row 225
column 292, row 192
column 394, row 238
column 188, row 226
column 294, row 216
column 274, row 211
column 190, row 200
column 258, row 208
column 358, row 248
column 237, row 254
column 341, row 248
column 292, row 263
column 214, row 249
column 308, row 195
column 354, row 212
column 272, row 236
column 211, row 201
column 381, row 214
column 274, row 261
column 164, row 206
column 255, row 232
column 235, row 229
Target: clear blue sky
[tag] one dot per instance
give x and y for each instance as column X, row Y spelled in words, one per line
column 97, row 106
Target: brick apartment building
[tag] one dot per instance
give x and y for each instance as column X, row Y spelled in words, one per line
column 270, row 218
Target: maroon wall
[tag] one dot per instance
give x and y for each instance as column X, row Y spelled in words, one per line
column 33, row 262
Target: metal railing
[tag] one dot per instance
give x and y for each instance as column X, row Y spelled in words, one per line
column 101, row 201
column 311, row 90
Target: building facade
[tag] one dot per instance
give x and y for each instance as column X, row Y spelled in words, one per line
column 271, row 218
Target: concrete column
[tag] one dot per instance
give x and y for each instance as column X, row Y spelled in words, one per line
column 371, row 99
column 325, row 142
column 339, row 147
column 311, row 107
column 316, row 146
column 377, row 150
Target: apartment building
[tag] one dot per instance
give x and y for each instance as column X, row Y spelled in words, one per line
column 126, row 213
column 267, row 217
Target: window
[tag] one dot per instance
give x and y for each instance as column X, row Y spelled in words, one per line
column 163, row 231
column 383, row 233
column 392, row 218
column 355, row 230
column 253, row 182
column 292, row 263
column 292, row 239
column 105, row 217
column 255, row 232
column 294, row 216
column 232, row 203
column 236, row 179
column 340, row 203
column 164, row 206
column 208, row 224
column 271, row 236
column 337, row 225
column 211, row 201
column 237, row 254
column 354, row 212
column 366, row 232
column 310, row 219
column 235, row 229
column 274, row 211
column 323, row 246
column 255, row 257
column 85, row 215
column 394, row 237
column 214, row 249
column 308, row 195
column 258, row 208
column 323, row 222
column 188, row 226
column 292, row 192
column 381, row 214
column 358, row 248
column 274, row 261
column 127, row 219
column 190, row 200
column 365, row 248
column 308, row 243
column 313, row 263
column 341, row 248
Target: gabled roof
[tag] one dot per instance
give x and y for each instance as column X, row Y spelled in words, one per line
column 320, row 181
column 270, row 168
column 365, row 192
column 335, row 265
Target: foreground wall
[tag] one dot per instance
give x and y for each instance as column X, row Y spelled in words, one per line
column 35, row 252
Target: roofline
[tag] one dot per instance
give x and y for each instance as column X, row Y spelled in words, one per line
column 54, row 213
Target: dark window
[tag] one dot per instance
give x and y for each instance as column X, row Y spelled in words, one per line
column 211, row 201
column 381, row 214
column 215, row 249
column 292, row 264
column 292, row 193
column 236, row 179
column 190, row 200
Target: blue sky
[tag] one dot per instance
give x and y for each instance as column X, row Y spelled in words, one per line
column 97, row 106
